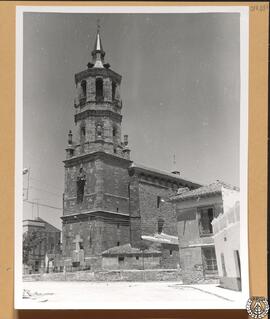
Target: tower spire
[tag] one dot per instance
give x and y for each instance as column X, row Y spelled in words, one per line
column 98, row 53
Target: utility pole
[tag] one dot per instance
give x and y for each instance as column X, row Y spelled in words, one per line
column 37, row 204
column 27, row 171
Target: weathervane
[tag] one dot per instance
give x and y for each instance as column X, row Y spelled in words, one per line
column 174, row 161
column 98, row 25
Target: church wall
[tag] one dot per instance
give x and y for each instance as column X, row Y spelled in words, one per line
column 90, row 197
column 114, row 234
column 134, row 211
column 116, row 180
column 150, row 212
column 97, row 235
column 89, row 232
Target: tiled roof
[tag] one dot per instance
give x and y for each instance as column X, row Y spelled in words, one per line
column 211, row 189
column 162, row 238
column 127, row 250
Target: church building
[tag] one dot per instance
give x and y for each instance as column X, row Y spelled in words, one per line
column 110, row 203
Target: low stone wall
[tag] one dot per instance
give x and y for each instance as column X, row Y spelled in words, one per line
column 116, row 275
column 191, row 277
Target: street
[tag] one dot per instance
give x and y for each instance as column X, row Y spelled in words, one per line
column 126, row 295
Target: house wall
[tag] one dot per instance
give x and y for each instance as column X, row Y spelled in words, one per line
column 227, row 241
column 190, row 239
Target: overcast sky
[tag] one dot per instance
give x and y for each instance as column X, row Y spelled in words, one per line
column 180, row 91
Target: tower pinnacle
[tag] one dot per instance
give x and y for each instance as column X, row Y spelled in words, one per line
column 98, row 53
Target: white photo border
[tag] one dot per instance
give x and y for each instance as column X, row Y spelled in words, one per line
column 244, row 71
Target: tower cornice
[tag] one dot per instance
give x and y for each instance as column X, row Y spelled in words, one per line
column 97, row 155
column 97, row 72
column 97, row 113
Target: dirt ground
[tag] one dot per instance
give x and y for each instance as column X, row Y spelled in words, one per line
column 125, row 295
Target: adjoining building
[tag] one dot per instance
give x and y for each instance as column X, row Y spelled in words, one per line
column 226, row 231
column 40, row 239
column 199, row 247
column 127, row 257
column 108, row 200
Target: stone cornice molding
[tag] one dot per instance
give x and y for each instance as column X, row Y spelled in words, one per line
column 97, row 113
column 98, row 72
column 97, row 155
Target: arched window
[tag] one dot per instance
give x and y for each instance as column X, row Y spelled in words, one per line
column 113, row 90
column 99, row 89
column 114, row 131
column 83, row 85
column 80, row 185
column 82, row 132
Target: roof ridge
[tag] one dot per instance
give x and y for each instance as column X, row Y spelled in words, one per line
column 214, row 187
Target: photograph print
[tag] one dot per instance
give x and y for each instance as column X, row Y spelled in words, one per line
column 131, row 158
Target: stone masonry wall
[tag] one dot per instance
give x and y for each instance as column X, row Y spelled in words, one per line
column 97, row 235
column 116, row 181
column 151, row 213
column 117, row 275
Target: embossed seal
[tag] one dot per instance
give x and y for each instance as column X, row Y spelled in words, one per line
column 257, row 307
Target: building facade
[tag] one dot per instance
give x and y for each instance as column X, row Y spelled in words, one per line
column 40, row 238
column 226, row 231
column 108, row 200
column 197, row 211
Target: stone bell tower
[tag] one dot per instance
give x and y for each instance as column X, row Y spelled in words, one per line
column 96, row 196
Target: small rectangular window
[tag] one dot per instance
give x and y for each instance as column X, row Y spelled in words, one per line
column 137, row 257
column 209, row 259
column 118, row 243
column 158, row 201
column 121, row 258
column 170, row 252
